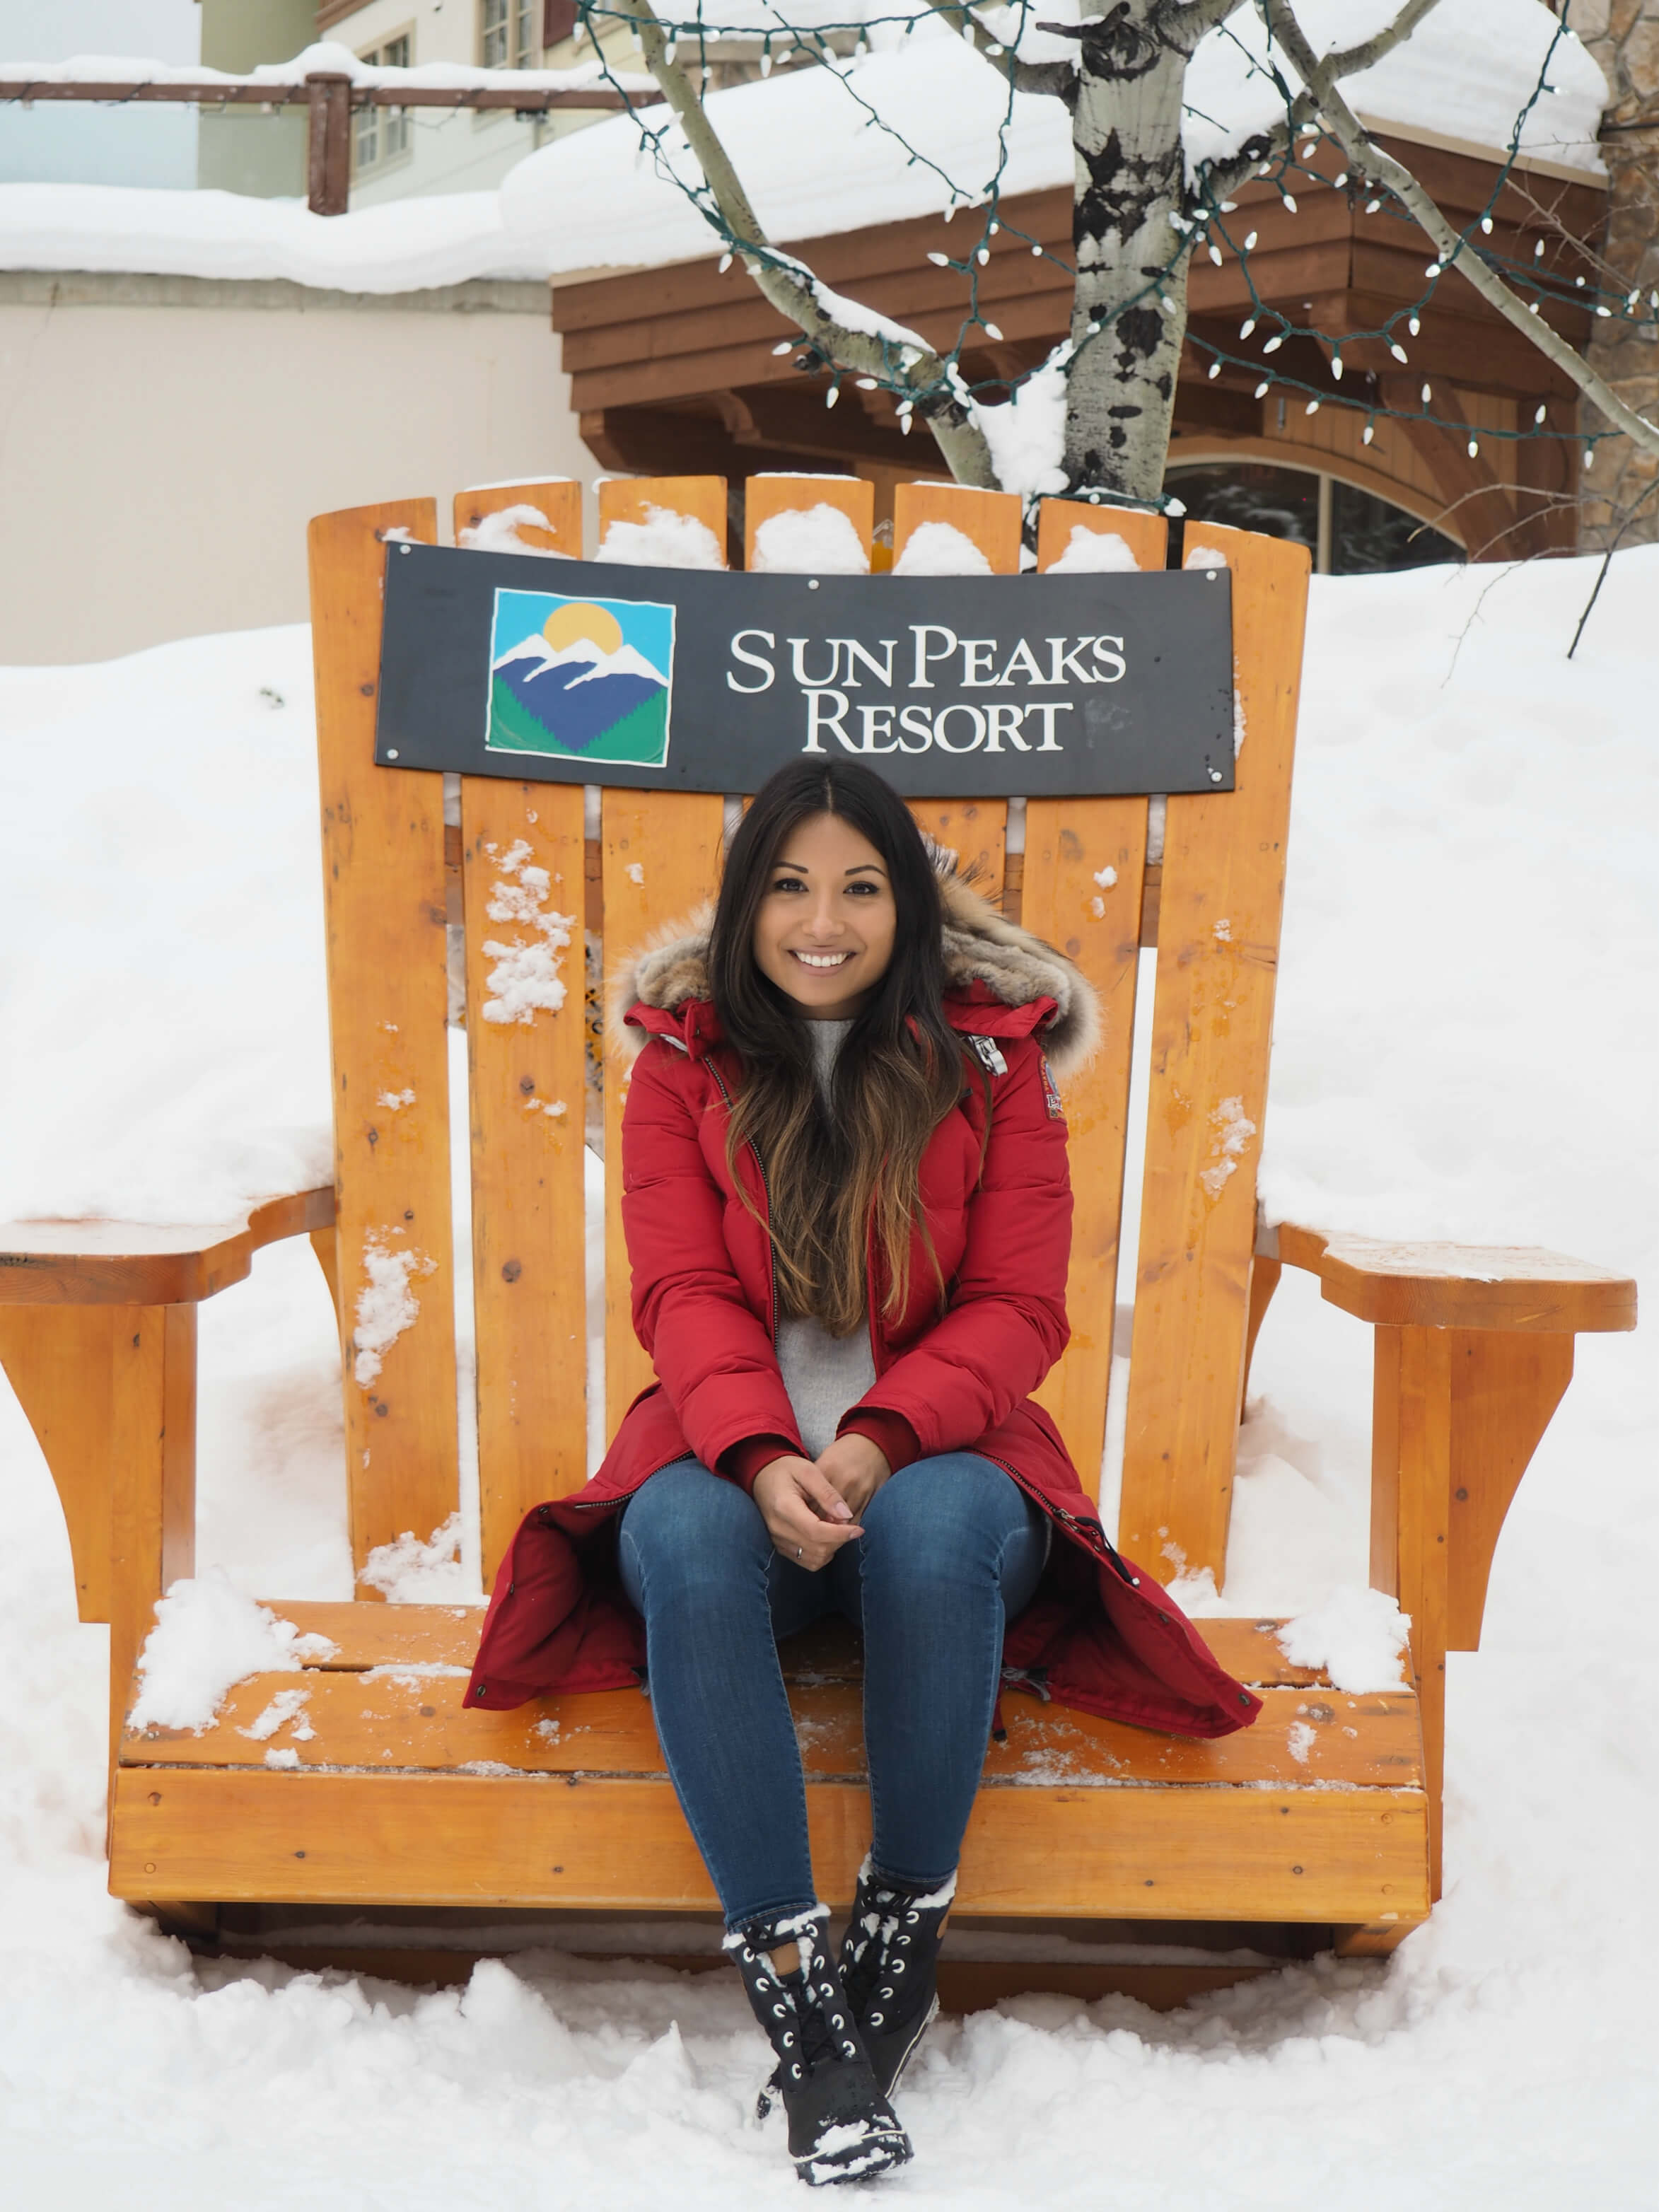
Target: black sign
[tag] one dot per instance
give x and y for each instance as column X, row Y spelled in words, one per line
column 574, row 671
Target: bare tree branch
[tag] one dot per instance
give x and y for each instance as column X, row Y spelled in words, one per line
column 914, row 369
column 1351, row 59
column 1607, row 562
column 1058, row 79
column 1454, row 251
column 1197, row 16
column 1304, row 111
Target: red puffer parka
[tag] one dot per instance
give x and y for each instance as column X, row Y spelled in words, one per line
column 1099, row 1634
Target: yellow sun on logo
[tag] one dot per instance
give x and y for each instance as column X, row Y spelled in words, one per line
column 581, row 619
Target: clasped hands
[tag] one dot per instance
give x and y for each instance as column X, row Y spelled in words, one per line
column 811, row 1507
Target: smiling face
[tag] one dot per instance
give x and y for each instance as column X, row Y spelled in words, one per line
column 823, row 931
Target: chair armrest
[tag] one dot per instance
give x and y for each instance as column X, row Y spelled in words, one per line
column 123, row 1263
column 1427, row 1285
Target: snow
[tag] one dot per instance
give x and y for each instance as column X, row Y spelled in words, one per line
column 853, row 315
column 804, row 541
column 386, row 1305
column 802, row 144
column 813, row 167
column 1094, row 553
column 401, row 246
column 1357, row 1637
column 524, row 979
column 1465, row 73
column 665, row 539
column 1026, row 434
column 409, row 1572
column 940, row 548
column 207, row 1636
column 176, row 992
column 499, row 532
column 323, row 58
column 286, row 1709
column 1231, row 1126
column 1464, row 1047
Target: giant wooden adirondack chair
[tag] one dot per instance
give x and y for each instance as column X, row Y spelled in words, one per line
column 1322, row 1820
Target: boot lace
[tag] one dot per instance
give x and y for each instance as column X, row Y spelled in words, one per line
column 877, row 1961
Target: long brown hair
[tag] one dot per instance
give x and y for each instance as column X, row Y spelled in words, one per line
column 844, row 1181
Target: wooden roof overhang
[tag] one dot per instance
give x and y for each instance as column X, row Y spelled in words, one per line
column 677, row 368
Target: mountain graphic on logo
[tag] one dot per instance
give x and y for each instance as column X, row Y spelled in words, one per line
column 574, row 682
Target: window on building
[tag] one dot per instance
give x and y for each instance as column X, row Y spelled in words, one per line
column 508, row 34
column 383, row 133
column 1349, row 533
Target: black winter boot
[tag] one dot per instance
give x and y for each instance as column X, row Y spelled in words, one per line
column 842, row 2127
column 889, row 1968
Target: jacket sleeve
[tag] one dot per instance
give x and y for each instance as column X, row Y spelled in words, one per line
column 712, row 1351
column 1006, row 1325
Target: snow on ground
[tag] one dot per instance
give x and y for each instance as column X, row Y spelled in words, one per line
column 811, row 160
column 1465, row 1045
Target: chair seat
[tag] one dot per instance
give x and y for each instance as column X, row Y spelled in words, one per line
column 363, row 1777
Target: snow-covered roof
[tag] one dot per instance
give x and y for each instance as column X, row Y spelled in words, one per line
column 325, row 58
column 401, row 246
column 813, row 160
column 814, row 164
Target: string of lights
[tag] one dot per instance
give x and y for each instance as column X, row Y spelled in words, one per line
column 919, row 380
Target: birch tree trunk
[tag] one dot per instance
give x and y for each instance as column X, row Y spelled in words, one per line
column 1129, row 313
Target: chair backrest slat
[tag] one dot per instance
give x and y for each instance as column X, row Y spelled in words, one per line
column 1084, row 859
column 526, row 1071
column 659, row 858
column 992, row 519
column 1218, row 958
column 768, row 495
column 975, row 829
column 631, row 501
column 557, row 500
column 384, row 886
column 526, row 1058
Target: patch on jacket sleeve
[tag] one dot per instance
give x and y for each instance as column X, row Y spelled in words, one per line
column 1051, row 1093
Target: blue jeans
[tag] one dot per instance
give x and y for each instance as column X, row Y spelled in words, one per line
column 952, row 1550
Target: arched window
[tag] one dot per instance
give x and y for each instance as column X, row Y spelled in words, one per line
column 1349, row 533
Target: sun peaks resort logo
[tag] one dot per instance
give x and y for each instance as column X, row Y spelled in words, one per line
column 581, row 680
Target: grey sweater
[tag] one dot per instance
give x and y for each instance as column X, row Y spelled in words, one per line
column 823, row 1374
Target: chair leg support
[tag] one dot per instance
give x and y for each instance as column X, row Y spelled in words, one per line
column 1376, row 1941
column 1264, row 1281
column 60, row 1361
column 1505, row 1386
column 1411, row 1493
column 153, row 1497
column 1457, row 1414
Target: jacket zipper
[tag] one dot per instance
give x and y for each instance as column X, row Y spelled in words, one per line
column 1067, row 1520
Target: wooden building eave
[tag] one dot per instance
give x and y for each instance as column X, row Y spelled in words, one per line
column 679, row 368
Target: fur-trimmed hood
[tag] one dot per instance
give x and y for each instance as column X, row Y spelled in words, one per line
column 991, row 964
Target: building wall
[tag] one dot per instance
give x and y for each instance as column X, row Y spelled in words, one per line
column 239, row 149
column 450, row 151
column 165, row 439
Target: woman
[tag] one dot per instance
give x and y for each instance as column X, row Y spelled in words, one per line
column 848, row 1217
